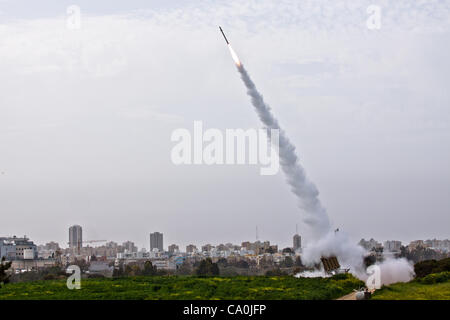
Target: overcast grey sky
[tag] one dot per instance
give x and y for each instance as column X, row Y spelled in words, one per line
column 86, row 117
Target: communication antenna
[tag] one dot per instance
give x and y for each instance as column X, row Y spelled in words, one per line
column 296, row 228
column 256, row 233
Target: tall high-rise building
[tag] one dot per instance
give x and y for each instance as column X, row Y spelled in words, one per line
column 156, row 241
column 297, row 242
column 75, row 236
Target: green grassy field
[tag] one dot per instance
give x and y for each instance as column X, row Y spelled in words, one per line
column 178, row 287
column 432, row 287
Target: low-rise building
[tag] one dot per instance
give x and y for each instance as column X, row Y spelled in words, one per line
column 173, row 248
column 22, row 265
column 164, row 264
column 207, row 247
column 14, row 248
column 129, row 246
column 416, row 244
column 191, row 248
column 101, row 267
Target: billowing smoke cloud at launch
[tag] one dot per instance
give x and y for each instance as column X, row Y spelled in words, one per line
column 393, row 270
column 326, row 241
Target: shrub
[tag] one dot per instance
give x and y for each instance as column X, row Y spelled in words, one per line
column 276, row 272
column 50, row 277
column 207, row 268
column 4, row 278
column 340, row 276
column 95, row 276
column 436, row 278
column 149, row 269
column 427, row 267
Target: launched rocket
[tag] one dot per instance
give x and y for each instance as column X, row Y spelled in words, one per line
column 233, row 54
column 223, row 35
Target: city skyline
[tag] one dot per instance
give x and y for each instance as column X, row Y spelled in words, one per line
column 142, row 240
column 128, row 241
column 156, row 242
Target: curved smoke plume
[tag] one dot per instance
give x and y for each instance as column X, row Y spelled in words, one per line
column 306, row 192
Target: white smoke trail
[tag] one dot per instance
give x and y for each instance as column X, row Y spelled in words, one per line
column 327, row 242
column 306, row 192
